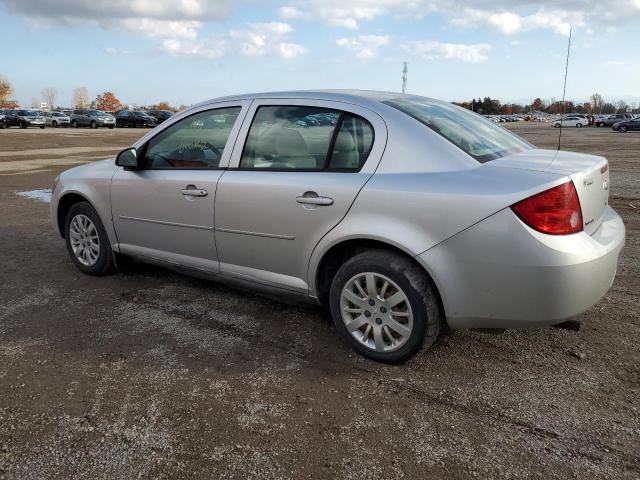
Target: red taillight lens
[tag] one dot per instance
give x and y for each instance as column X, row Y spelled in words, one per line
column 555, row 211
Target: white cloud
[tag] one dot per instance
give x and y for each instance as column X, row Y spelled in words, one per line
column 348, row 13
column 365, row 46
column 506, row 16
column 153, row 28
column 266, row 38
column 208, row 48
column 431, row 50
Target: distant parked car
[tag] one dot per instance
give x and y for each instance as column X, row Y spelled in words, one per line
column 611, row 119
column 128, row 118
column 24, row 119
column 57, row 119
column 160, row 115
column 578, row 122
column 3, row 122
column 631, row 124
column 91, row 118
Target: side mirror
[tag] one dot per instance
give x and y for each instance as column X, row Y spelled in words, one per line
column 128, row 159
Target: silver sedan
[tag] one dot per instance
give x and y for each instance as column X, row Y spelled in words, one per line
column 57, row 119
column 403, row 214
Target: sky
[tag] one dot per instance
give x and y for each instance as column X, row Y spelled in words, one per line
column 186, row 51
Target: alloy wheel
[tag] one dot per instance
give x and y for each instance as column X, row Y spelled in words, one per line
column 84, row 239
column 376, row 312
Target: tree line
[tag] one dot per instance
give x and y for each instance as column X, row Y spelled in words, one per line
column 595, row 105
column 106, row 101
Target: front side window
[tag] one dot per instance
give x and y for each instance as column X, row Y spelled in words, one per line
column 289, row 138
column 196, row 141
column 472, row 133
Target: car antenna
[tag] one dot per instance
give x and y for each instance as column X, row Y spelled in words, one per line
column 564, row 90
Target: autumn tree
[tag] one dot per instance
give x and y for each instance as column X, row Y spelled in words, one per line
column 108, row 102
column 537, row 104
column 81, row 97
column 5, row 91
column 49, row 95
column 165, row 106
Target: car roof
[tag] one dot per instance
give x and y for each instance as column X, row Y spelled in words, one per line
column 371, row 98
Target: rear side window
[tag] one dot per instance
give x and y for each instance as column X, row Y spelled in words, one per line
column 306, row 138
column 352, row 145
column 472, row 133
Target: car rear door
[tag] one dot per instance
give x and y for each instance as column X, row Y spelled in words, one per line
column 165, row 211
column 295, row 171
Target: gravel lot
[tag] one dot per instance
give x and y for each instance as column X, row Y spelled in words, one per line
column 150, row 374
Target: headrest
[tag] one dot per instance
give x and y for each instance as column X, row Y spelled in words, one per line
column 289, row 143
column 345, row 142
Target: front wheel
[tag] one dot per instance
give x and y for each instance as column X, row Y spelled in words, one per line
column 578, row 125
column 74, row 123
column 93, row 124
column 87, row 241
column 54, row 124
column 557, row 125
column 384, row 306
column 622, row 129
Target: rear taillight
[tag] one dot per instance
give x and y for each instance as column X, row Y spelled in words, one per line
column 555, row 211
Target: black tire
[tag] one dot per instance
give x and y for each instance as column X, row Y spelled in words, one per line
column 74, row 124
column 105, row 264
column 416, row 285
column 23, row 125
column 601, row 124
column 578, row 125
column 622, row 129
column 42, row 127
column 3, row 125
column 556, row 125
column 93, row 124
column 110, row 127
column 54, row 124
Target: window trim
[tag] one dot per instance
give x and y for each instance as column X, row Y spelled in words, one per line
column 145, row 146
column 329, row 154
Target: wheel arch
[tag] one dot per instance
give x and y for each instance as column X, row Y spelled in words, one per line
column 330, row 260
column 65, row 203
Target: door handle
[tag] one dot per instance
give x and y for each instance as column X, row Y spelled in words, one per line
column 315, row 200
column 192, row 191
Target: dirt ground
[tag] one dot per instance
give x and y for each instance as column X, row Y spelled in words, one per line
column 150, row 374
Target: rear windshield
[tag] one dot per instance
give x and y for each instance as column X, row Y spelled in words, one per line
column 474, row 134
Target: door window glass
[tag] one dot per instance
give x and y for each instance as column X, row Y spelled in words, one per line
column 289, row 138
column 353, row 144
column 194, row 142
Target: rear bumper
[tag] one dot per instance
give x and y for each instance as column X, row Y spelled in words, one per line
column 502, row 274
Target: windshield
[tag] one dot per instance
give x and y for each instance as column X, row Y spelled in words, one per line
column 474, row 134
column 29, row 113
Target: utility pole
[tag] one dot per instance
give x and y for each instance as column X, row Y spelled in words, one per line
column 405, row 71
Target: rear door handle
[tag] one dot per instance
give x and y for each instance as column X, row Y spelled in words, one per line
column 314, row 200
column 192, row 191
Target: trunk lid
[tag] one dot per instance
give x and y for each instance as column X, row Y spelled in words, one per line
column 589, row 173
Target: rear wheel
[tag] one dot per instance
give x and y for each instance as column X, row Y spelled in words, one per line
column 557, row 125
column 54, row 124
column 384, row 306
column 93, row 124
column 87, row 241
column 578, row 125
column 74, row 123
column 622, row 129
column 23, row 125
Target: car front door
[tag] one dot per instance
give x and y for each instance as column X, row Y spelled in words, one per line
column 165, row 210
column 295, row 171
